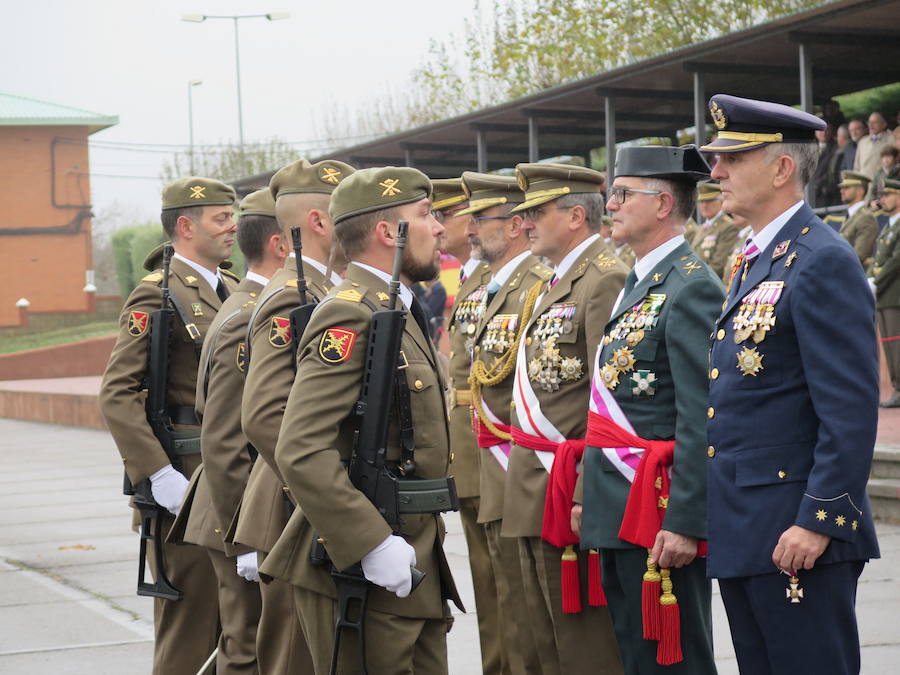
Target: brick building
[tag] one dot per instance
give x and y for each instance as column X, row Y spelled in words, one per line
column 45, row 221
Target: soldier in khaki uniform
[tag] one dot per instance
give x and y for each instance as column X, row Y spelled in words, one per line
column 197, row 215
column 216, row 487
column 302, row 192
column 450, row 202
column 517, row 277
column 860, row 228
column 562, row 211
column 884, row 277
column 404, row 632
column 717, row 236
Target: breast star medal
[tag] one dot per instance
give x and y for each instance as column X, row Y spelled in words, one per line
column 643, row 383
column 749, row 361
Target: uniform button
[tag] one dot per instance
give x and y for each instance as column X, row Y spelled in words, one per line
column 714, row 374
column 721, row 334
column 452, row 456
column 477, row 348
column 528, row 341
column 512, row 404
column 782, row 475
column 711, row 451
column 322, row 540
column 217, row 531
column 418, row 384
column 710, row 413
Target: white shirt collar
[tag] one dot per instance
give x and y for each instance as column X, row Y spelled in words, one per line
column 712, row 220
column 766, row 235
column 257, row 277
column 211, row 279
column 853, row 208
column 507, row 270
column 470, row 266
column 573, row 255
column 406, row 295
column 643, row 266
column 335, row 277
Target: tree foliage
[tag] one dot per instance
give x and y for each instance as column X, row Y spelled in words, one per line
column 227, row 161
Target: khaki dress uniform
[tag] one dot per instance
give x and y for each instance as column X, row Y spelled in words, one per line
column 626, row 254
column 187, row 629
column 265, row 510
column 861, row 230
column 556, row 360
column 885, row 274
column 714, row 242
column 495, row 347
column 402, row 634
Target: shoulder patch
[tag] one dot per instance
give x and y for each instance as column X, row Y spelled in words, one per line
column 542, row 271
column 604, row 261
column 336, row 344
column 137, row 323
column 350, row 295
column 241, row 359
column 153, row 277
column 280, row 331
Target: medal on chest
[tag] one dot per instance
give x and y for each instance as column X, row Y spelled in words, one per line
column 756, row 315
column 632, row 327
column 547, row 368
column 469, row 313
column 500, row 333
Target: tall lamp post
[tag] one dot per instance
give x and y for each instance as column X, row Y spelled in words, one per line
column 271, row 16
column 191, row 85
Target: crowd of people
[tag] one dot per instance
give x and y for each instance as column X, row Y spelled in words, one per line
column 634, row 402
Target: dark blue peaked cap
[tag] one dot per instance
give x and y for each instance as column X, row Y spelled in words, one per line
column 746, row 124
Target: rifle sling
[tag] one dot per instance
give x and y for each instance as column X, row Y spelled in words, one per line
column 404, row 412
column 192, row 330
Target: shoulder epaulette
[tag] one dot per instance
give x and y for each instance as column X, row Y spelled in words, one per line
column 542, row 271
column 153, row 277
column 231, row 274
column 604, row 261
column 350, row 295
column 290, row 283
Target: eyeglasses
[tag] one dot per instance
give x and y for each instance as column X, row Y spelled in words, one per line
column 618, row 193
column 536, row 212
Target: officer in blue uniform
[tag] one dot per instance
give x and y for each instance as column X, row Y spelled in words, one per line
column 793, row 406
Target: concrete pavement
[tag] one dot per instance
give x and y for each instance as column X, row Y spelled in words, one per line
column 68, row 568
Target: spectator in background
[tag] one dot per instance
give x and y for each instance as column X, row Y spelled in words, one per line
column 889, row 166
column 435, row 300
column 824, row 191
column 831, row 113
column 868, row 149
column 857, row 130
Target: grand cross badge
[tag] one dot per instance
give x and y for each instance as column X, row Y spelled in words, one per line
column 336, row 344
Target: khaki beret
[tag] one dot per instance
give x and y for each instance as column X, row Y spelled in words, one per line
column 259, row 203
column 486, row 190
column 545, row 182
column 303, row 177
column 854, row 179
column 707, row 192
column 378, row 188
column 196, row 191
column 447, row 192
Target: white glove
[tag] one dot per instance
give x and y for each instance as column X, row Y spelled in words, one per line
column 168, row 487
column 872, row 285
column 387, row 565
column 248, row 566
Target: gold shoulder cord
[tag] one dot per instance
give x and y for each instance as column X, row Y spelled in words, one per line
column 481, row 376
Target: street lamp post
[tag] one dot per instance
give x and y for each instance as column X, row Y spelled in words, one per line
column 271, row 16
column 191, row 85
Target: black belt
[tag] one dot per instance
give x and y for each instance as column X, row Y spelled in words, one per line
column 182, row 414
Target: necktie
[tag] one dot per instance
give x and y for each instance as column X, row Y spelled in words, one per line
column 221, row 291
column 553, row 281
column 419, row 315
column 630, row 283
column 462, row 276
column 492, row 289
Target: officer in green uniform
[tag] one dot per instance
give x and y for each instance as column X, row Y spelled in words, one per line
column 860, row 228
column 302, row 194
column 214, row 494
column 884, row 277
column 498, row 238
column 405, row 632
column 717, row 235
column 563, row 208
column 650, row 387
column 197, row 215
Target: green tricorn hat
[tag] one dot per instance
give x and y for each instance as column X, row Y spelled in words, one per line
column 707, row 192
column 891, row 185
column 486, row 190
column 854, row 179
column 378, row 188
column 196, row 191
column 259, row 203
column 303, row 177
column 542, row 183
column 447, row 192
column 662, row 161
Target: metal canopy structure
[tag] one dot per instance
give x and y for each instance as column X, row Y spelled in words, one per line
column 805, row 58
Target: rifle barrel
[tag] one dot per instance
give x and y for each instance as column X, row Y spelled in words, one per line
column 394, row 289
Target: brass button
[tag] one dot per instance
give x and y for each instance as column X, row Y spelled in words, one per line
column 322, row 540
column 217, row 531
column 286, row 489
column 710, row 413
column 714, row 374
column 721, row 334
column 477, row 348
column 419, row 385
column 711, row 451
column 782, row 474
column 804, row 230
column 452, row 456
column 528, row 340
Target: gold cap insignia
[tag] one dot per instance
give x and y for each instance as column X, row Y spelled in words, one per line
column 330, row 175
column 390, row 187
column 521, row 181
column 718, row 115
column 197, row 191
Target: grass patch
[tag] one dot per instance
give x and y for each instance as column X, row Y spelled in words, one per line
column 58, row 336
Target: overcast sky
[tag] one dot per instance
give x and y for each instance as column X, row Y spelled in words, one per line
column 134, row 58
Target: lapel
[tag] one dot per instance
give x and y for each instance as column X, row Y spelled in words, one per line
column 480, row 275
column 511, row 286
column 374, row 285
column 191, row 278
column 656, row 277
column 564, row 285
column 760, row 270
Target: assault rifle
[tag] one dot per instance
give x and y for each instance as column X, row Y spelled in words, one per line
column 161, row 325
column 299, row 315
